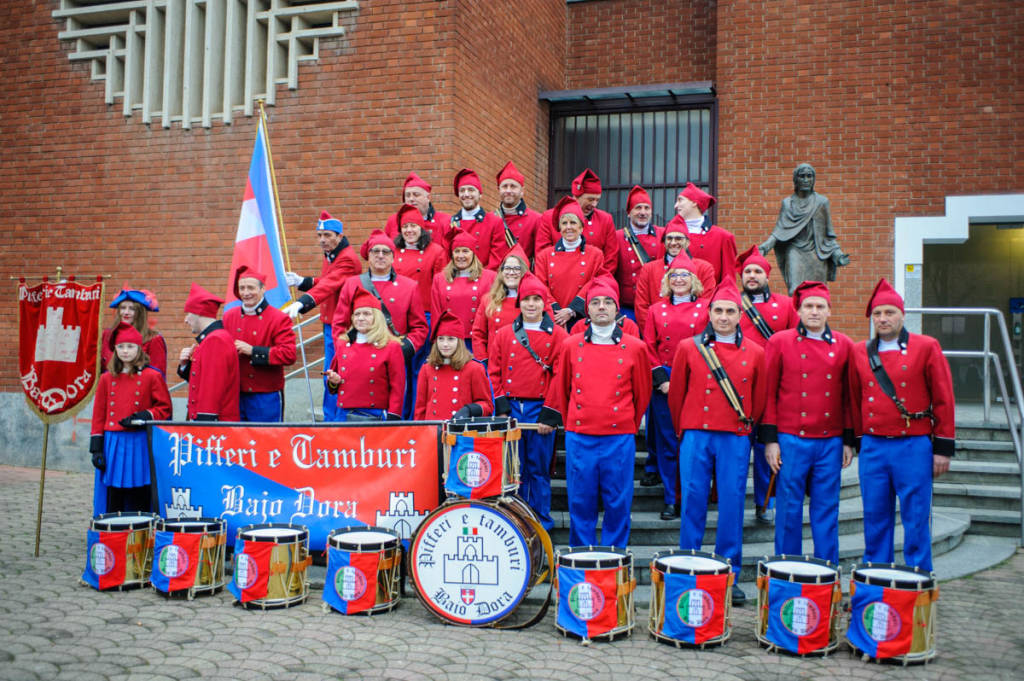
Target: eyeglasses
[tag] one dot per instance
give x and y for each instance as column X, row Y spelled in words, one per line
column 679, row 275
column 512, row 269
column 380, row 251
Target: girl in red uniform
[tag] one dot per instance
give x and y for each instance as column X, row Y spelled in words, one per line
column 451, row 384
column 499, row 304
column 461, row 286
column 130, row 391
column 368, row 370
column 133, row 307
column 567, row 267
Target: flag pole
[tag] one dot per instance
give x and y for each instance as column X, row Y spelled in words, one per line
column 284, row 251
column 42, row 481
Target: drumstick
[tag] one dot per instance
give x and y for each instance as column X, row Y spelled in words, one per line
column 529, row 426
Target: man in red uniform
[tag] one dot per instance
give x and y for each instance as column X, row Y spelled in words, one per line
column 764, row 313
column 340, row 263
column 598, row 225
column 715, row 395
column 638, row 243
column 707, row 241
column 807, row 423
column 518, row 223
column 265, row 343
column 400, row 302
column 211, row 365
column 416, row 192
column 472, row 218
column 601, row 387
column 675, row 240
column 903, row 415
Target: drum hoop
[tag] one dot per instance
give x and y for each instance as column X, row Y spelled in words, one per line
column 490, row 424
column 205, row 525
column 108, row 518
column 302, row 533
column 665, row 568
column 764, row 568
column 622, row 558
column 336, row 539
column 927, row 583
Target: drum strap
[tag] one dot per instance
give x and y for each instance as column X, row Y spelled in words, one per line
column 755, row 316
column 885, row 383
column 367, row 284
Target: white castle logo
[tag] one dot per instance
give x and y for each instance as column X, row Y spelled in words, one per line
column 181, row 505
column 469, row 564
column 401, row 516
column 56, row 342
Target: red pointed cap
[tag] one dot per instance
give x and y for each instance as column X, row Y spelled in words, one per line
column 637, row 195
column 531, row 285
column 377, row 238
column 448, row 325
column 727, row 290
column 246, row 272
column 676, row 226
column 462, row 240
column 518, row 252
column 810, row 289
column 510, row 172
column 586, row 182
column 124, row 333
column 683, row 262
column 464, row 177
column 407, row 214
column 698, row 196
column 414, row 180
column 752, row 256
column 202, row 302
column 364, row 298
column 603, row 286
column 884, row 294
column 570, row 205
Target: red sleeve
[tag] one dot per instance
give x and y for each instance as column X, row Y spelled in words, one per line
column 479, row 333
column 770, row 384
column 610, row 251
column 343, row 312
column 396, row 378
column 160, row 408
column 499, row 247
column 480, row 388
column 420, row 411
column 545, row 231
column 495, row 360
column 219, row 364
column 416, row 323
column 854, row 390
column 326, row 284
column 100, row 402
column 282, row 348
column 650, row 339
column 558, row 393
column 706, row 274
column 641, row 380
column 757, row 390
column 643, row 298
column 157, row 352
column 437, row 296
column 679, row 382
column 728, row 255
column 940, row 385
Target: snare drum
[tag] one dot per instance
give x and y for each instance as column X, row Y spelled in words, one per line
column 892, row 612
column 595, row 587
column 691, row 598
column 270, row 565
column 481, row 457
column 189, row 556
column 473, row 562
column 798, row 604
column 120, row 547
column 363, row 570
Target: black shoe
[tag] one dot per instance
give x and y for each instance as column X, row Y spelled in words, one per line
column 761, row 515
column 650, row 479
column 670, row 512
column 738, row 597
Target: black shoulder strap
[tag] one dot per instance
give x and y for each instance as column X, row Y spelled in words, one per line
column 367, row 283
column 755, row 316
column 728, row 389
column 635, row 244
column 510, row 238
column 524, row 340
column 885, row 383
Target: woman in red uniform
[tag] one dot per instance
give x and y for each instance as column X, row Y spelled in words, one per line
column 461, row 286
column 419, row 257
column 130, row 391
column 567, row 267
column 368, row 370
column 133, row 307
column 499, row 306
column 679, row 313
column 452, row 384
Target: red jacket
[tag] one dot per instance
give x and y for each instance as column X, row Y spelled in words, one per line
column 567, row 273
column 513, row 370
column 920, row 374
column 155, row 347
column 442, row 391
column 486, row 326
column 648, row 284
column 421, row 266
column 371, row 377
column 121, row 395
column 778, row 311
column 667, row 325
column 715, row 245
column 599, row 389
column 401, row 295
column 323, row 291
column 212, row 375
column 436, row 222
column 270, row 334
column 482, row 229
column 462, row 295
column 523, row 225
column 806, row 388
column 694, row 398
column 628, row 264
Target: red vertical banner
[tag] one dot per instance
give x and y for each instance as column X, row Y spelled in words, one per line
column 58, row 349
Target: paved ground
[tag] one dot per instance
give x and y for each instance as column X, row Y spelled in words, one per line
column 51, row 627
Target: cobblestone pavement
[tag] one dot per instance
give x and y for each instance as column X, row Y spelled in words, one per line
column 52, row 627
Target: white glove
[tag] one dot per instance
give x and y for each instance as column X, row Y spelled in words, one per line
column 293, row 309
column 293, row 279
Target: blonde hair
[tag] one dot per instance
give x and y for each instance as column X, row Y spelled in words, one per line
column 140, row 321
column 476, row 268
column 116, row 366
column 459, row 358
column 499, row 291
column 696, row 287
column 379, row 334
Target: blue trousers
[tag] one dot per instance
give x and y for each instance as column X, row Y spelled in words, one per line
column 809, row 465
column 535, row 452
column 890, row 468
column 663, row 445
column 343, row 415
column 330, row 401
column 700, row 453
column 762, row 472
column 599, row 466
column 260, row 407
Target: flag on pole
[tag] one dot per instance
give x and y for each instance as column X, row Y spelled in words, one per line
column 258, row 241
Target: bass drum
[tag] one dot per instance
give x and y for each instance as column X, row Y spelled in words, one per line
column 473, row 561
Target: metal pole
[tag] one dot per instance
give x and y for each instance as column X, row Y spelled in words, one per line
column 305, row 370
column 987, row 371
column 42, row 480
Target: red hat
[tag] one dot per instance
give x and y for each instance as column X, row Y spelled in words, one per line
column 727, row 290
column 415, row 180
column 809, row 289
column 603, row 286
column 364, row 298
column 124, row 333
column 202, row 302
column 884, row 294
column 567, row 205
column 246, row 272
column 467, row 176
column 510, row 172
column 752, row 256
column 407, row 214
column 637, row 195
column 448, row 325
column 586, row 182
column 462, row 240
column 517, row 252
column 377, row 238
column 683, row 262
column 698, row 196
column 531, row 285
column 675, row 226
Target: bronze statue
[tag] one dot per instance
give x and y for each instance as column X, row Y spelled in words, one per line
column 805, row 244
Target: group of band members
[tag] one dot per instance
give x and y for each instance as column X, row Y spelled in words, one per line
column 562, row 320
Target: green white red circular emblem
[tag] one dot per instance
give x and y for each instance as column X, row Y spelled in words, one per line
column 473, row 469
column 695, row 607
column 881, row 621
column 172, row 561
column 101, row 558
column 800, row 615
column 350, row 583
column 586, row 601
column 246, row 571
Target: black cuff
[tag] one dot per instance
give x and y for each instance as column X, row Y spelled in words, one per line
column 474, row 409
column 205, row 417
column 408, row 350
column 388, row 416
column 307, row 303
column 944, row 446
column 183, row 369
column 767, row 433
column 555, row 307
column 579, row 306
column 856, row 443
column 260, row 356
column 848, row 438
column 95, row 444
column 502, row 405
column 658, row 376
column 550, row 417
column 305, row 284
